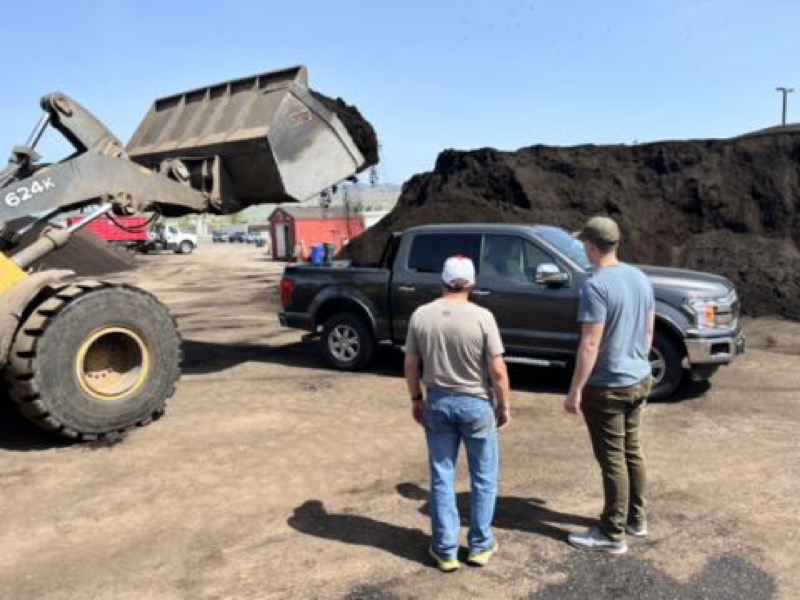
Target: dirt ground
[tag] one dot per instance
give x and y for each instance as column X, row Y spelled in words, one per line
column 272, row 476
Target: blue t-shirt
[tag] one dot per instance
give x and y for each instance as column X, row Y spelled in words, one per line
column 622, row 298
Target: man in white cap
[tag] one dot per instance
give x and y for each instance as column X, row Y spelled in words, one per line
column 459, row 346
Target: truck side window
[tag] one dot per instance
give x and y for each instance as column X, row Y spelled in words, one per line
column 511, row 258
column 532, row 257
column 429, row 251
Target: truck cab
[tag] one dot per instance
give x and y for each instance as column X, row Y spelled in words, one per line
column 170, row 237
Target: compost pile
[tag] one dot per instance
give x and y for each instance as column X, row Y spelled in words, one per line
column 85, row 253
column 726, row 206
column 358, row 127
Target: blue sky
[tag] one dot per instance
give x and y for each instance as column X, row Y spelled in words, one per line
column 428, row 75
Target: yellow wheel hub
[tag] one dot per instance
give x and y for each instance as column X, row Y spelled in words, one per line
column 112, row 364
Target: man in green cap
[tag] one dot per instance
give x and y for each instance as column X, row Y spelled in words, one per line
column 611, row 383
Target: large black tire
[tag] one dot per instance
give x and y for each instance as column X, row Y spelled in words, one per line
column 94, row 359
column 185, row 247
column 667, row 360
column 347, row 341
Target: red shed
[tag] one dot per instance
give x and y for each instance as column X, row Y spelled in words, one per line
column 306, row 226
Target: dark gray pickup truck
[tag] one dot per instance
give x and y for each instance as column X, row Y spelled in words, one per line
column 529, row 277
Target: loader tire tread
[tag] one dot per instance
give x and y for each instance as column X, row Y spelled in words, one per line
column 21, row 371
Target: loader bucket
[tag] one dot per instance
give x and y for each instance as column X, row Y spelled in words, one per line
column 277, row 140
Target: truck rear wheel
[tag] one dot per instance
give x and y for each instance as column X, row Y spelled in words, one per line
column 185, row 247
column 666, row 360
column 347, row 341
column 94, row 359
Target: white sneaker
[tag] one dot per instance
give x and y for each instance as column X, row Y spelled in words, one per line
column 638, row 531
column 594, row 539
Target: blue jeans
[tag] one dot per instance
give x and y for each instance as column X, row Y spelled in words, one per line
column 449, row 419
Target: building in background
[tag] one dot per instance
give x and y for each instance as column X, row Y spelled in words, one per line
column 294, row 229
column 334, row 218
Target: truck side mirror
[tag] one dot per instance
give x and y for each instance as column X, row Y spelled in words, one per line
column 550, row 275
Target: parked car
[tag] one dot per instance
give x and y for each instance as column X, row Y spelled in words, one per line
column 219, row 237
column 529, row 277
column 256, row 238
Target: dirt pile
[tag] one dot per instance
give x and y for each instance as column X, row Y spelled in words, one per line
column 360, row 129
column 727, row 206
column 85, row 253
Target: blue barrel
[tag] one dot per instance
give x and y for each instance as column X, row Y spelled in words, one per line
column 317, row 254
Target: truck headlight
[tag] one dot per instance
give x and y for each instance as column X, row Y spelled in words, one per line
column 704, row 312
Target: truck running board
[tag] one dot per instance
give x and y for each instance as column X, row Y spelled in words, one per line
column 534, row 362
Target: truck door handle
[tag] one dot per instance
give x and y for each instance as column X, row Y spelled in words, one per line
column 482, row 293
column 407, row 288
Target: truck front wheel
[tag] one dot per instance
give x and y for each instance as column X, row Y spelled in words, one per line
column 347, row 341
column 666, row 360
column 94, row 359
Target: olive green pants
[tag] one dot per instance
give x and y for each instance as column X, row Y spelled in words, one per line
column 613, row 416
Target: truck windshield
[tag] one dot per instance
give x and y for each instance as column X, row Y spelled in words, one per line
column 566, row 244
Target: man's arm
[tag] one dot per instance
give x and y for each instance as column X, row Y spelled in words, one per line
column 412, row 370
column 502, row 391
column 497, row 370
column 651, row 327
column 591, row 337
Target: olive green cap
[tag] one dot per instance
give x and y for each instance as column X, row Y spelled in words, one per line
column 603, row 230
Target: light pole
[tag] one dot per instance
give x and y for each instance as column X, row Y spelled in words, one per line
column 785, row 91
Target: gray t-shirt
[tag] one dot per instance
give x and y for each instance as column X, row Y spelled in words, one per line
column 456, row 341
column 622, row 298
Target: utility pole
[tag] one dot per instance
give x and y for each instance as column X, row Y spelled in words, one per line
column 785, row 91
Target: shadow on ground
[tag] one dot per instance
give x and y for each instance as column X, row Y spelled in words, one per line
column 528, row 515
column 313, row 518
column 20, row 435
column 209, row 357
column 519, row 514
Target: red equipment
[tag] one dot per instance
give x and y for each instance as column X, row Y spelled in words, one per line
column 106, row 229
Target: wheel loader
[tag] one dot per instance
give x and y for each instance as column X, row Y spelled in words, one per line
column 87, row 359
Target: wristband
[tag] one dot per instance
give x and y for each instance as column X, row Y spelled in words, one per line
column 417, row 398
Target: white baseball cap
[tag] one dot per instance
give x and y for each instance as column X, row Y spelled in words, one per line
column 458, row 269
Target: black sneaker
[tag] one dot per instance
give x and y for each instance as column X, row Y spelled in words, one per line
column 638, row 530
column 594, row 539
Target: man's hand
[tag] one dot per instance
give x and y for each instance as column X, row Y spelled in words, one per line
column 572, row 403
column 503, row 414
column 418, row 411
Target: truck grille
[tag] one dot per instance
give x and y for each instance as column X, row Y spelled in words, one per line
column 729, row 311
